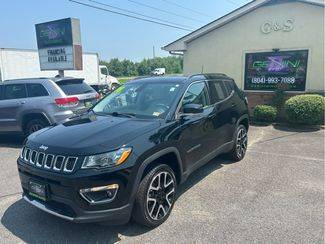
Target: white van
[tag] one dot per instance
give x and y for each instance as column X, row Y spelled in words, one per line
column 159, row 71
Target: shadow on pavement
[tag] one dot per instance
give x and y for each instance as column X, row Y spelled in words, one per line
column 11, row 140
column 202, row 172
column 296, row 128
column 34, row 226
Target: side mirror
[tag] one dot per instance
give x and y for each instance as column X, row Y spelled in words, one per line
column 192, row 108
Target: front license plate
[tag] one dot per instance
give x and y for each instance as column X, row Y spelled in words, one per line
column 37, row 190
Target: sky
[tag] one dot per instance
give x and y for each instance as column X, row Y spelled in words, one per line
column 108, row 34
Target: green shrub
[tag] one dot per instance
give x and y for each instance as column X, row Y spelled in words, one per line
column 265, row 113
column 305, row 109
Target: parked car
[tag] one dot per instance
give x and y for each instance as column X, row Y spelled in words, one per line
column 129, row 154
column 28, row 105
column 159, row 71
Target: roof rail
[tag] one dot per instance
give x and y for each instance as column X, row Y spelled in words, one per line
column 207, row 74
column 31, row 78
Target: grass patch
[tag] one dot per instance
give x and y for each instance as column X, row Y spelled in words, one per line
column 122, row 80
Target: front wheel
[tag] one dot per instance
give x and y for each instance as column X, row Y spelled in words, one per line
column 240, row 146
column 155, row 197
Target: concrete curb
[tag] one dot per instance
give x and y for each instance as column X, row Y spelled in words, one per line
column 293, row 126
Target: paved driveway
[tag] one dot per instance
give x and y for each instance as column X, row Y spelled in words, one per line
column 276, row 194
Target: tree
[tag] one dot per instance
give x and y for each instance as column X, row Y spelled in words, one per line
column 172, row 64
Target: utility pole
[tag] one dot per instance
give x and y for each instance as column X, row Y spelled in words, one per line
column 153, row 52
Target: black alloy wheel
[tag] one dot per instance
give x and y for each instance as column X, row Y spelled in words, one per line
column 240, row 144
column 155, row 197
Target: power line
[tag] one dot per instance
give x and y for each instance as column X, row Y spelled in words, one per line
column 186, row 8
column 232, row 2
column 164, row 11
column 130, row 16
column 143, row 15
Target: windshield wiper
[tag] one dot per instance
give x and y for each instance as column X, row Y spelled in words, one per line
column 118, row 114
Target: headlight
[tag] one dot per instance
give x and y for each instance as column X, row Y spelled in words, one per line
column 108, row 159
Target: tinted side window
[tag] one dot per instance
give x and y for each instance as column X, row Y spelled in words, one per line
column 14, row 91
column 197, row 94
column 1, row 96
column 103, row 71
column 36, row 90
column 229, row 87
column 218, row 91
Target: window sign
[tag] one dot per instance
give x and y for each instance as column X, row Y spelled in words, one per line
column 59, row 44
column 271, row 70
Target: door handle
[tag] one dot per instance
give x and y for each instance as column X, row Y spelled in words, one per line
column 233, row 105
column 21, row 102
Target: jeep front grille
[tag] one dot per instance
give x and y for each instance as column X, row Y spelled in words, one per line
column 58, row 163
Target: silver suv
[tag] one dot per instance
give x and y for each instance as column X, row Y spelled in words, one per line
column 28, row 105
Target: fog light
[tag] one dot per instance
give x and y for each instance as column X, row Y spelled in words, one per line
column 99, row 194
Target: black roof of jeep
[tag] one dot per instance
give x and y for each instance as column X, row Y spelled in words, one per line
column 180, row 78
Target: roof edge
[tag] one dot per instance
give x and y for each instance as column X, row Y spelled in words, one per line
column 235, row 14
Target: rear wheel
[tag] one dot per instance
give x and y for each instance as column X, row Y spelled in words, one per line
column 240, row 146
column 114, row 87
column 34, row 125
column 155, row 197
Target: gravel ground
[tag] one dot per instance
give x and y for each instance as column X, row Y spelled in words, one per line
column 276, row 194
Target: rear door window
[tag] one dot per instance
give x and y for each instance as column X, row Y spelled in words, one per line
column 74, row 87
column 229, row 87
column 218, row 91
column 36, row 90
column 15, row 91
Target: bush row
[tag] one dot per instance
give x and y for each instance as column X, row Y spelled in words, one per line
column 301, row 109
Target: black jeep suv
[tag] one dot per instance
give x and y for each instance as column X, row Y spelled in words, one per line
column 127, row 155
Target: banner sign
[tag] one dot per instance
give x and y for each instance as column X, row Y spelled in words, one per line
column 59, row 44
column 268, row 71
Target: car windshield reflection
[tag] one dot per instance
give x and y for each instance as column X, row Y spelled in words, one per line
column 141, row 100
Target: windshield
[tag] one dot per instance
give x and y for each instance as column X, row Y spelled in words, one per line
column 143, row 100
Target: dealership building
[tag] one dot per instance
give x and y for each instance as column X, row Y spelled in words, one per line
column 264, row 45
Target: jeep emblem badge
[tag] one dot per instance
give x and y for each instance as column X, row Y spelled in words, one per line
column 43, row 147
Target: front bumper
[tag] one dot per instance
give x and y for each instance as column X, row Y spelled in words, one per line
column 116, row 216
column 64, row 200
column 61, row 116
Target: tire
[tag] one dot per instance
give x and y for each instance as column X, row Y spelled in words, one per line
column 154, row 203
column 240, row 146
column 114, row 87
column 34, row 125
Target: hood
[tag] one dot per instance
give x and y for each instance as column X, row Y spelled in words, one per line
column 91, row 134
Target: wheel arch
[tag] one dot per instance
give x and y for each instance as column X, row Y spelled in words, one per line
column 33, row 115
column 244, row 120
column 159, row 158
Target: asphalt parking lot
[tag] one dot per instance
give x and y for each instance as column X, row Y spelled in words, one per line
column 276, row 194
